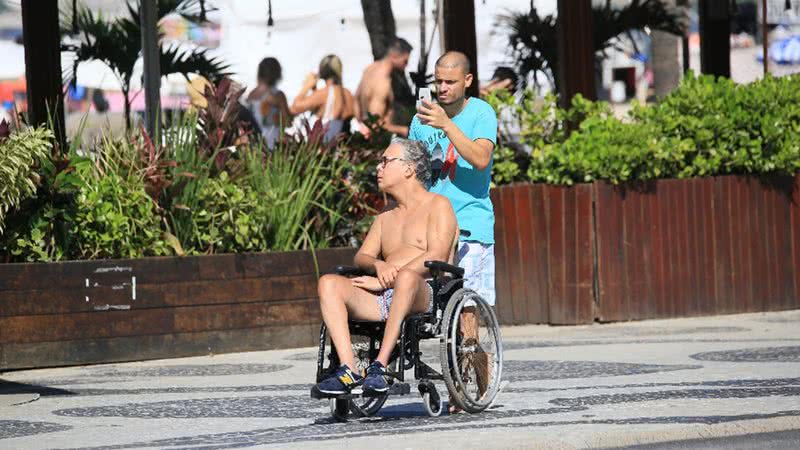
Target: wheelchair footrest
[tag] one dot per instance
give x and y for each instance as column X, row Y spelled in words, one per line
column 394, row 389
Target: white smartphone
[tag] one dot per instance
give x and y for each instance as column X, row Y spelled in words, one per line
column 424, row 94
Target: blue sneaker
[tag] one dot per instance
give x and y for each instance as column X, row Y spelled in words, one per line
column 343, row 381
column 375, row 381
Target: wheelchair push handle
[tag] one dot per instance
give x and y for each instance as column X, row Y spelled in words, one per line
column 440, row 266
column 433, row 266
column 351, row 271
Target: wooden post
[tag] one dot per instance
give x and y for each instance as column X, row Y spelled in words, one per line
column 152, row 71
column 575, row 50
column 715, row 37
column 458, row 20
column 765, row 36
column 43, row 65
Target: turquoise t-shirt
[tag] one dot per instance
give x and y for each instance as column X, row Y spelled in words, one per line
column 466, row 187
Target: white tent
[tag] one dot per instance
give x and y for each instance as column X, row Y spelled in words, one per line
column 13, row 60
column 304, row 32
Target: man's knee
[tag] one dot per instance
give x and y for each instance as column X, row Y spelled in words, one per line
column 407, row 279
column 329, row 287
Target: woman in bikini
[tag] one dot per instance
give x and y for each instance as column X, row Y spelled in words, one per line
column 333, row 104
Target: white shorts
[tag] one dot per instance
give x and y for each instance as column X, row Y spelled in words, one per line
column 477, row 260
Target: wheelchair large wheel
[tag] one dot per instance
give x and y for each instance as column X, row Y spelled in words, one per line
column 471, row 351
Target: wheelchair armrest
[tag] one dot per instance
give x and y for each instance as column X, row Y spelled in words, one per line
column 441, row 266
column 350, row 271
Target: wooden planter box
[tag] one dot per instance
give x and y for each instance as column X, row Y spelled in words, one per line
column 565, row 255
column 82, row 312
column 669, row 248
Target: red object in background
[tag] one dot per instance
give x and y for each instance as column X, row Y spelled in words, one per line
column 8, row 89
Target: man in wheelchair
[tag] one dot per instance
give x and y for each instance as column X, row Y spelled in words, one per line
column 416, row 226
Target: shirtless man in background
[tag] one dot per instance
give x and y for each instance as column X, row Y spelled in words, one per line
column 374, row 94
column 418, row 226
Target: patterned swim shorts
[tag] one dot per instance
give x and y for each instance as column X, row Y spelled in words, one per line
column 385, row 301
column 477, row 260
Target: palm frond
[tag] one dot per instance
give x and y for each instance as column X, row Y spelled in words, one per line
column 184, row 62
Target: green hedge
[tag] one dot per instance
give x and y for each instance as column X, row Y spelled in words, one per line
column 131, row 198
column 705, row 127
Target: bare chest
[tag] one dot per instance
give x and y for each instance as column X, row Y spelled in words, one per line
column 403, row 230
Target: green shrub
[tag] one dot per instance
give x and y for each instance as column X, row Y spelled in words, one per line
column 231, row 217
column 20, row 155
column 605, row 148
column 735, row 129
column 115, row 217
column 705, row 127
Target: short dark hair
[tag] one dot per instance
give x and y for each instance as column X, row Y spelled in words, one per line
column 99, row 101
column 399, row 45
column 269, row 71
column 453, row 59
column 506, row 73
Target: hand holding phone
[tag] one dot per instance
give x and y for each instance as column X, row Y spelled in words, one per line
column 424, row 94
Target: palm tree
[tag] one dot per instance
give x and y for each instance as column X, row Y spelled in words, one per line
column 532, row 39
column 118, row 43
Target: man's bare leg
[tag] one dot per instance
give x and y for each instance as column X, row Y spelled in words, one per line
column 339, row 300
column 411, row 294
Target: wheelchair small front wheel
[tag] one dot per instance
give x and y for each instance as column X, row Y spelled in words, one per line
column 471, row 351
column 433, row 406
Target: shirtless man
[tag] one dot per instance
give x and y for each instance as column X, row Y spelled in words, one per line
column 419, row 226
column 374, row 94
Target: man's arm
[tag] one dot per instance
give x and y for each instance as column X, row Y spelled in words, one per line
column 399, row 130
column 368, row 253
column 477, row 152
column 367, row 257
column 304, row 101
column 441, row 232
column 380, row 105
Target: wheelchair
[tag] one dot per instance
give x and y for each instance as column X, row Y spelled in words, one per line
column 470, row 351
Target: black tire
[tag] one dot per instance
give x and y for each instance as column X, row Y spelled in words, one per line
column 471, row 388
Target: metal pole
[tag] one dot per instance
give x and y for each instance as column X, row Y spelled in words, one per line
column 764, row 36
column 152, row 71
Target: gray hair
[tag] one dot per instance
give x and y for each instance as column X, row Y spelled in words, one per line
column 416, row 154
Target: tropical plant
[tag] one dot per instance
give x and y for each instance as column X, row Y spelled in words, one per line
column 220, row 129
column 118, row 42
column 301, row 181
column 21, row 154
column 40, row 229
column 533, row 44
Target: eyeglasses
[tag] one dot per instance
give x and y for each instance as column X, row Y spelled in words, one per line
column 383, row 161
